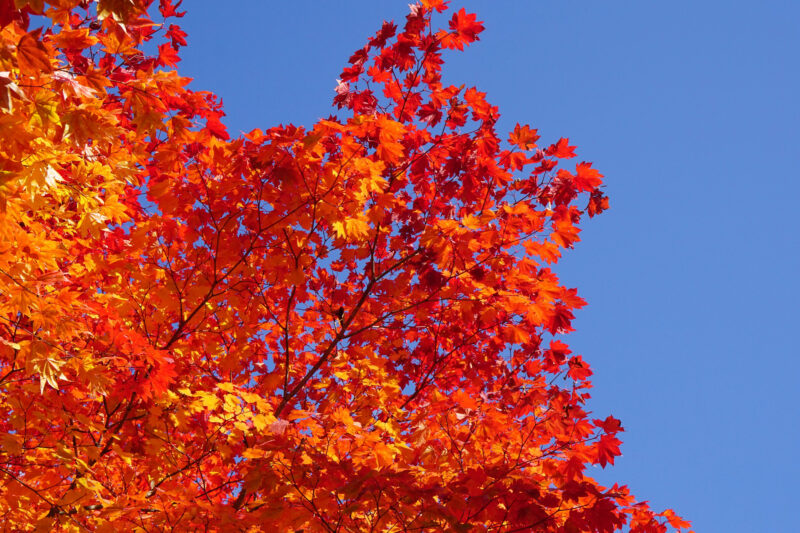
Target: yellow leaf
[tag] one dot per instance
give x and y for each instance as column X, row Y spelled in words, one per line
column 232, row 404
column 261, row 422
column 253, row 453
column 10, row 344
column 352, row 228
column 471, row 222
column 49, row 371
column 250, row 397
column 45, row 110
column 207, row 401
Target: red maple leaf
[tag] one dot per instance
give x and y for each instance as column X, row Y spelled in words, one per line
column 177, row 36
column 167, row 55
column 607, row 449
column 561, row 149
column 465, row 29
column 168, row 9
column 586, row 177
column 216, row 127
column 578, row 369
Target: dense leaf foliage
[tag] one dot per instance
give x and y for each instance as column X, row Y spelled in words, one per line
column 343, row 328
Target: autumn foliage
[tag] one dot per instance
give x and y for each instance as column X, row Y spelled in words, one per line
column 348, row 327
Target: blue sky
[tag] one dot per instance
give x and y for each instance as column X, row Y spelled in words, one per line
column 690, row 109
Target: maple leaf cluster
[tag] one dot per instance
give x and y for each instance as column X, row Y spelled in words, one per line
column 348, row 327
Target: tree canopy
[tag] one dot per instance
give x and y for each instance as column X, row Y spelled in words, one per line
column 346, row 327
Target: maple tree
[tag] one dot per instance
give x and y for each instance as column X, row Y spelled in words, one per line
column 342, row 328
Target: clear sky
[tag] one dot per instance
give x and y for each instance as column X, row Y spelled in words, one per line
column 690, row 108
